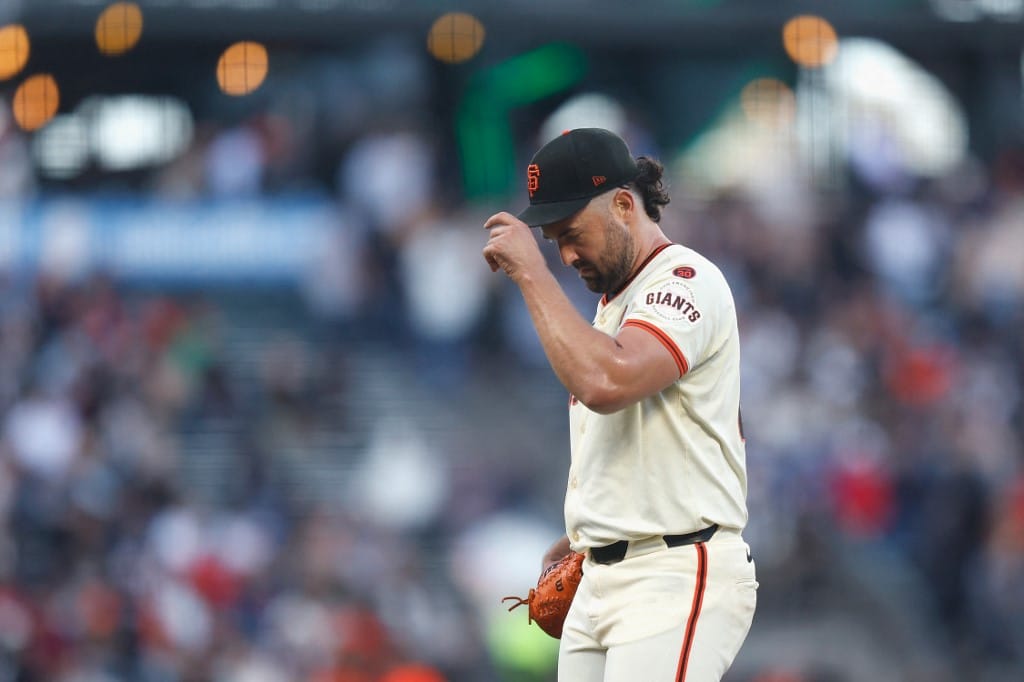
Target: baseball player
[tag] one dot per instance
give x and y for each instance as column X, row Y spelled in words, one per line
column 656, row 496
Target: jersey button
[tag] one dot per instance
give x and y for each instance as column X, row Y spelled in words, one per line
column 576, row 536
column 573, row 483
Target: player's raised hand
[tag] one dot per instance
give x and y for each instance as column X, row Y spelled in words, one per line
column 512, row 247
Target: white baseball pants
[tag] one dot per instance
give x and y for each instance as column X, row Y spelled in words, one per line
column 661, row 614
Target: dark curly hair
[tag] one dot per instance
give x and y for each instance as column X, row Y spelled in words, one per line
column 650, row 186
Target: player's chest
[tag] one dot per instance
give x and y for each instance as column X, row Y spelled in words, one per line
column 609, row 318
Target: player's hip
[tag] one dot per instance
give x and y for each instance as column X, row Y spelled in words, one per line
column 648, row 593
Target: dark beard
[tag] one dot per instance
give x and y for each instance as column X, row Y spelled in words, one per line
column 610, row 273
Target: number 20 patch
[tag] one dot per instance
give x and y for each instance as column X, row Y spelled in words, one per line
column 674, row 301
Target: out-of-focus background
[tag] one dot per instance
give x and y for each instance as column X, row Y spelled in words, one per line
column 265, row 414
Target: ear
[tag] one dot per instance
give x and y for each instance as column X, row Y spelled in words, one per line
column 623, row 203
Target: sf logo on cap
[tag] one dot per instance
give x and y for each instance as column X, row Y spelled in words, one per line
column 532, row 178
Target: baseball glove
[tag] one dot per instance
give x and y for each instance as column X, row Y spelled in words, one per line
column 549, row 602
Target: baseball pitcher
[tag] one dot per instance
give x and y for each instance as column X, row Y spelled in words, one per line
column 656, row 495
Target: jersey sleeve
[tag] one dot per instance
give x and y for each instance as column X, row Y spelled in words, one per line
column 680, row 305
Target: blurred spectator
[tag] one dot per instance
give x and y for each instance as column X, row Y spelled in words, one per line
column 446, row 285
column 340, row 486
column 235, row 162
column 16, row 177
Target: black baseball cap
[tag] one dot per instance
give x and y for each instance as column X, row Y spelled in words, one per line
column 570, row 170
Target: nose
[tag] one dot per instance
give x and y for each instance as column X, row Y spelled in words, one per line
column 568, row 254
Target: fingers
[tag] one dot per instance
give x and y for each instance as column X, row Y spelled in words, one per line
column 491, row 251
column 491, row 261
column 502, row 218
column 510, row 245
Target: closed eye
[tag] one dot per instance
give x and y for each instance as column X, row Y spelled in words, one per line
column 569, row 236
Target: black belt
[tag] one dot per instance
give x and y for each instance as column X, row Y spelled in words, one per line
column 616, row 552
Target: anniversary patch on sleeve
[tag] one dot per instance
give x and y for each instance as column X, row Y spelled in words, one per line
column 672, row 301
column 685, row 271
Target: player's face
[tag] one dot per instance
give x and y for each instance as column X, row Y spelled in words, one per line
column 596, row 243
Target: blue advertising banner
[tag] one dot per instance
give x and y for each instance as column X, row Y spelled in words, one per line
column 269, row 241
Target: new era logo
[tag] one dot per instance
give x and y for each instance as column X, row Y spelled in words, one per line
column 599, row 180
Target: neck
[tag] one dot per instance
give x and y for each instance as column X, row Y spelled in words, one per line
column 648, row 242
column 650, row 239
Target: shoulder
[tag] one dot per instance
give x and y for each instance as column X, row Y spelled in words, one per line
column 681, row 286
column 682, row 265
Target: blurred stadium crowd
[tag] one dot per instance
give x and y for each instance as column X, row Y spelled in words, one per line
column 338, row 482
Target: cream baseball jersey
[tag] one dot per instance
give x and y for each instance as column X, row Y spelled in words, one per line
column 674, row 462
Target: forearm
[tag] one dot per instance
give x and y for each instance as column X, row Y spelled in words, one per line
column 583, row 358
column 555, row 552
column 605, row 373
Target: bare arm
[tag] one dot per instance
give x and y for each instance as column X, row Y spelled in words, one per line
column 605, row 373
column 555, row 552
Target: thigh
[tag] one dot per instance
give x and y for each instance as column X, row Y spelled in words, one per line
column 581, row 665
column 654, row 658
column 670, row 657
column 580, row 657
column 721, row 629
column 702, row 644
column 725, row 615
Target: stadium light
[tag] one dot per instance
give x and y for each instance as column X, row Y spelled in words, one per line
column 118, row 28
column 768, row 102
column 14, row 50
column 810, row 41
column 36, row 101
column 455, row 37
column 133, row 131
column 242, row 68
